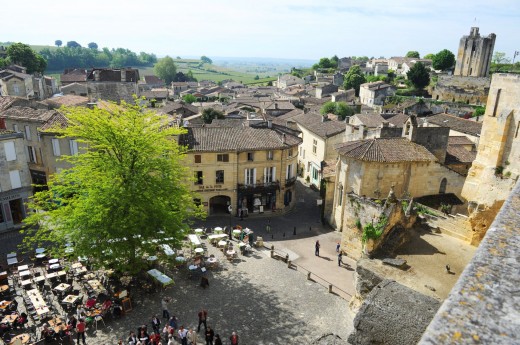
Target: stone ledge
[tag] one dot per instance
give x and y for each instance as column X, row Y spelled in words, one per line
column 484, row 305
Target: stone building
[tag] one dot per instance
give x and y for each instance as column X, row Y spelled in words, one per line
column 251, row 169
column 497, row 165
column 474, row 54
column 16, row 83
column 375, row 93
column 113, row 84
column 28, row 121
column 287, row 80
column 15, row 179
column 326, row 90
column 470, row 81
column 319, row 137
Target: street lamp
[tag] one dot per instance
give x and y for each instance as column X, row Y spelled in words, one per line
column 230, row 209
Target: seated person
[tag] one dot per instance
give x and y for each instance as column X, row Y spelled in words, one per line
column 81, row 312
column 21, row 321
column 117, row 310
column 91, row 302
column 47, row 334
column 72, row 322
column 106, row 305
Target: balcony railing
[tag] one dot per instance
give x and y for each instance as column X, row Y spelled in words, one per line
column 259, row 187
column 290, row 181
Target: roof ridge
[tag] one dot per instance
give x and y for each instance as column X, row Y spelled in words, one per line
column 368, row 148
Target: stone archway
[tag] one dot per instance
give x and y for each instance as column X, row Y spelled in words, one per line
column 218, row 205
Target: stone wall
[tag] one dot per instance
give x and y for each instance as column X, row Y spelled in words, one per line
column 112, row 91
column 393, row 314
column 499, row 147
column 472, row 90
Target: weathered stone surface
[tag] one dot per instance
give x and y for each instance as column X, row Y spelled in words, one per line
column 329, row 339
column 394, row 262
column 393, row 314
column 484, row 305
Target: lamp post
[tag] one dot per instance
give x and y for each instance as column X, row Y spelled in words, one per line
column 230, row 209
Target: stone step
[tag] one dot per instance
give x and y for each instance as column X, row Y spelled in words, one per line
column 454, row 234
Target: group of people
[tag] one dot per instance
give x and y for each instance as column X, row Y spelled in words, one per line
column 338, row 250
column 173, row 333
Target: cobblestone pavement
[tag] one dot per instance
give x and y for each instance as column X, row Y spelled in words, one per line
column 256, row 296
column 259, row 297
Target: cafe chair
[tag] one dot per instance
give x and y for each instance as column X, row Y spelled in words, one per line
column 98, row 318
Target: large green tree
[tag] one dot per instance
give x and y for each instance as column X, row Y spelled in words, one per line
column 22, row 54
column 413, row 54
column 419, row 76
column 341, row 109
column 206, row 59
column 209, row 114
column 443, row 60
column 354, row 78
column 165, row 69
column 125, row 194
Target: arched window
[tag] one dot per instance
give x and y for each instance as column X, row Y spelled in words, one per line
column 442, row 188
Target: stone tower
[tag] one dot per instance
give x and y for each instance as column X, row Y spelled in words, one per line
column 496, row 168
column 474, row 55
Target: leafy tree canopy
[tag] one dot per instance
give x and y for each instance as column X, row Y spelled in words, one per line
column 189, row 98
column 443, row 60
column 326, row 63
column 419, row 76
column 166, row 69
column 129, row 189
column 429, row 56
column 413, row 54
column 209, row 114
column 206, row 59
column 73, row 44
column 93, row 45
column 58, row 43
column 22, row 54
column 500, row 58
column 61, row 58
column 354, row 78
column 341, row 109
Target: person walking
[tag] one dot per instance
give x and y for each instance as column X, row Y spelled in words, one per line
column 340, row 257
column 183, row 334
column 337, row 247
column 164, row 303
column 209, row 336
column 233, row 338
column 317, row 248
column 80, row 329
column 218, row 341
column 203, row 315
column 156, row 324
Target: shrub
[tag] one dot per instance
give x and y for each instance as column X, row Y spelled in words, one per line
column 371, row 231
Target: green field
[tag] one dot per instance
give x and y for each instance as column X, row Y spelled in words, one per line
column 244, row 74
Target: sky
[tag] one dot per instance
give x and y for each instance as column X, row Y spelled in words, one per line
column 292, row 29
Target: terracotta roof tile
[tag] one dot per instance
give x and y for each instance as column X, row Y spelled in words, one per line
column 28, row 114
column 216, row 139
column 456, row 123
column 387, row 150
column 57, row 120
column 458, row 154
column 324, row 129
column 459, row 140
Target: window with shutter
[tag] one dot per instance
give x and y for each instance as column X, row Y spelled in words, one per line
column 56, row 147
column 14, row 176
column 10, row 152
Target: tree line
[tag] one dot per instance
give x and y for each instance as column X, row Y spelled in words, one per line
column 78, row 57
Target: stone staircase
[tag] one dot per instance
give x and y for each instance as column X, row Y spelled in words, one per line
column 457, row 226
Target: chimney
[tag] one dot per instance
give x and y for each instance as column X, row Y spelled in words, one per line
column 276, row 105
column 97, row 75
column 123, row 75
column 269, row 123
column 2, row 123
column 283, row 138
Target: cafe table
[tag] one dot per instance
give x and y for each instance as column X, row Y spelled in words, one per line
column 39, row 250
column 218, row 230
column 199, row 250
column 62, row 287
column 54, row 261
column 23, row 268
column 41, row 256
column 20, row 338
column 222, row 243
column 77, row 265
column 10, row 318
column 199, row 231
column 12, row 261
column 39, row 279
column 152, row 258
column 236, row 233
column 54, row 266
column 70, row 299
column 26, row 282
column 160, row 277
column 25, row 273
column 11, row 255
column 4, row 288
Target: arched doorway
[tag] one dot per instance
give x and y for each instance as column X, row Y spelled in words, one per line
column 219, row 204
column 442, row 188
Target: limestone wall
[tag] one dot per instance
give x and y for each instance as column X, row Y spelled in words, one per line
column 472, row 90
